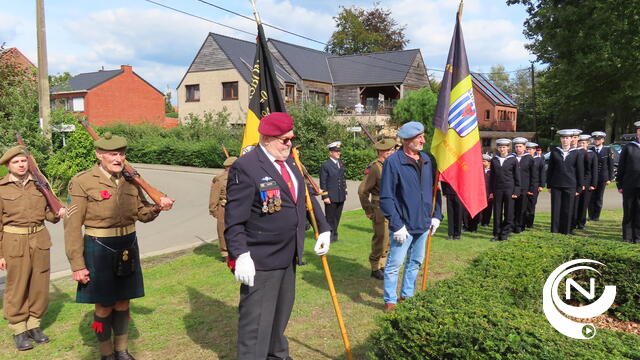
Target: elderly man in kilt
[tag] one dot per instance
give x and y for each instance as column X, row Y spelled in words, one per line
column 105, row 260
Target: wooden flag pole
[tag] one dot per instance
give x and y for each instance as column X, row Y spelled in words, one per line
column 428, row 250
column 255, row 12
column 325, row 263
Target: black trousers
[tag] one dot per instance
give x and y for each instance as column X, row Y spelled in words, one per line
column 520, row 209
column 485, row 217
column 471, row 223
column 530, row 214
column 562, row 200
column 574, row 215
column 631, row 217
column 333, row 212
column 502, row 214
column 265, row 309
column 583, row 204
column 595, row 205
column 454, row 215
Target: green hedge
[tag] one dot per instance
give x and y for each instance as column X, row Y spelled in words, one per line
column 494, row 309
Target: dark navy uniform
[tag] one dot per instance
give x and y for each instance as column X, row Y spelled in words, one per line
column 538, row 168
column 605, row 173
column 505, row 182
column 454, row 211
column 528, row 181
column 590, row 180
column 333, row 182
column 486, row 213
column 564, row 178
column 628, row 181
column 574, row 218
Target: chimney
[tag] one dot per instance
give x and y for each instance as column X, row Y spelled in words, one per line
column 126, row 68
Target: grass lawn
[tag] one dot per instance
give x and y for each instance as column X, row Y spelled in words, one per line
column 190, row 308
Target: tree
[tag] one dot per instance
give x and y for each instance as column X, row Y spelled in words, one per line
column 60, row 79
column 501, row 78
column 417, row 105
column 365, row 31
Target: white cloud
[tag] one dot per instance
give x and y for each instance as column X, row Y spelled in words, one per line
column 8, row 28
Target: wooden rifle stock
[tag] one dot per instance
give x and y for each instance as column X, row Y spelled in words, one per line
column 41, row 182
column 373, row 140
column 129, row 173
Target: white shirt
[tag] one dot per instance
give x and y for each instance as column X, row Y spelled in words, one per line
column 273, row 161
column 335, row 162
column 598, row 148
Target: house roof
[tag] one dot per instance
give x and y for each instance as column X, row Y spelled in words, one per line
column 86, row 81
column 309, row 64
column 487, row 86
column 373, row 68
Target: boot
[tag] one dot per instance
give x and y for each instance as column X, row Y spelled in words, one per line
column 388, row 307
column 38, row 336
column 108, row 357
column 123, row 355
column 378, row 274
column 23, row 341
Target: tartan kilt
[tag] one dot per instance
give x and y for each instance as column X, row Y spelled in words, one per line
column 104, row 287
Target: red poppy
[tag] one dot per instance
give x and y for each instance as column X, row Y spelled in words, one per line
column 105, row 194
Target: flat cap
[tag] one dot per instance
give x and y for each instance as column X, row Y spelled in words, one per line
column 410, row 129
column 531, row 145
column 585, row 137
column 384, row 144
column 12, row 152
column 486, row 157
column 275, row 124
column 520, row 140
column 503, row 142
column 335, row 146
column 599, row 134
column 229, row 161
column 637, row 124
column 565, row 132
column 109, row 142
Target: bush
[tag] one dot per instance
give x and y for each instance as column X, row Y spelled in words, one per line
column 417, row 105
column 494, row 309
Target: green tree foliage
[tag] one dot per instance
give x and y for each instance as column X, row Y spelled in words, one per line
column 360, row 30
column 418, row 105
column 591, row 49
column 60, row 79
column 501, row 78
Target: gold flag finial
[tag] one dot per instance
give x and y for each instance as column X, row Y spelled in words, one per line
column 255, row 12
column 460, row 9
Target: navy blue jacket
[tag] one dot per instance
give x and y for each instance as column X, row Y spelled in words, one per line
column 405, row 198
column 333, row 182
column 274, row 240
column 605, row 163
column 566, row 173
column 629, row 167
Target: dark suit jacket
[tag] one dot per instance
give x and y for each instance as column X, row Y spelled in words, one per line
column 629, row 167
column 539, row 168
column 332, row 180
column 590, row 169
column 274, row 240
column 505, row 177
column 528, row 174
column 566, row 173
column 605, row 164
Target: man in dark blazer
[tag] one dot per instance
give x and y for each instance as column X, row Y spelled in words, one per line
column 265, row 218
column 629, row 186
column 485, row 219
column 605, row 173
column 504, row 189
column 528, row 182
column 334, row 187
column 590, row 179
column 538, row 165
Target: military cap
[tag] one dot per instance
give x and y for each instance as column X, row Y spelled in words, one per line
column 531, row 145
column 229, row 161
column 637, row 124
column 410, row 129
column 12, row 152
column 599, row 134
column 384, row 144
column 520, row 140
column 565, row 132
column 335, row 146
column 503, row 142
column 486, row 157
column 275, row 124
column 109, row 142
column 576, row 132
column 585, row 137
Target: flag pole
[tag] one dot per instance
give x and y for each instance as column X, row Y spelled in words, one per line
column 325, row 263
column 428, row 250
column 255, row 12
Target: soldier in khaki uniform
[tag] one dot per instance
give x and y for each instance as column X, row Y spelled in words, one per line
column 217, row 201
column 369, row 193
column 105, row 261
column 24, row 249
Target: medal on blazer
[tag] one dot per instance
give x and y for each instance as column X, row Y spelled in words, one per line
column 277, row 200
column 268, row 195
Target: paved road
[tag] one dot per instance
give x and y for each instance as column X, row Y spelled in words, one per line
column 189, row 223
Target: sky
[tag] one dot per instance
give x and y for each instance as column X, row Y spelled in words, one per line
column 160, row 44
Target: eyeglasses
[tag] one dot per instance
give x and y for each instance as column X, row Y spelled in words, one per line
column 284, row 140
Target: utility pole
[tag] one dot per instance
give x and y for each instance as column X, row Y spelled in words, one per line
column 533, row 96
column 43, row 71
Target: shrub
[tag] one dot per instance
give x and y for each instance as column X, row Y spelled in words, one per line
column 494, row 309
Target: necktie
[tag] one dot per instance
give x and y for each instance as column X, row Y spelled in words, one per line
column 287, row 178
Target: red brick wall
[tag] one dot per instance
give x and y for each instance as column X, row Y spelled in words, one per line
column 15, row 56
column 493, row 123
column 125, row 98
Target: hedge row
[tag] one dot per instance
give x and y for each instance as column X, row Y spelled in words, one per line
column 494, row 309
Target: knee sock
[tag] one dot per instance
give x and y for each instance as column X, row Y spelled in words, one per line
column 120, row 329
column 102, row 327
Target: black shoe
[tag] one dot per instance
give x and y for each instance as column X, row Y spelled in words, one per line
column 107, row 357
column 580, row 227
column 38, row 336
column 23, row 341
column 378, row 274
column 303, row 263
column 123, row 355
column 456, row 237
column 494, row 239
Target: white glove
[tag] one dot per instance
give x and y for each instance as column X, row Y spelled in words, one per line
column 401, row 235
column 435, row 222
column 245, row 270
column 322, row 244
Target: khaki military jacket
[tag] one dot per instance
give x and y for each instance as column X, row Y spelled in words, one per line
column 22, row 206
column 370, row 185
column 218, row 195
column 96, row 201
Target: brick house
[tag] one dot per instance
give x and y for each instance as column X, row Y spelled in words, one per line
column 111, row 96
column 15, row 56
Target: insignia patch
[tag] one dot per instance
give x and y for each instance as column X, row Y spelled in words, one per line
column 71, row 210
column 269, row 185
column 266, row 178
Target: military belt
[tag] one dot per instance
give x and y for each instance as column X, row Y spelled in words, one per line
column 110, row 232
column 22, row 230
column 375, row 197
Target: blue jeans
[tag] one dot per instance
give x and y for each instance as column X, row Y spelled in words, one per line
column 412, row 250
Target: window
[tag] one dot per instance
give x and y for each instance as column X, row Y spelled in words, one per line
column 486, row 142
column 320, row 97
column 230, row 90
column 193, row 92
column 289, row 93
column 487, row 114
column 78, row 104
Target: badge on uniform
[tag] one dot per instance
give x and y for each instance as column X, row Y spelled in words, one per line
column 270, row 196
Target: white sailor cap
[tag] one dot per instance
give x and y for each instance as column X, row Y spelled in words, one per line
column 520, row 140
column 599, row 134
column 335, row 146
column 531, row 145
column 565, row 132
column 576, row 132
column 637, row 124
column 585, row 137
column 486, row 157
column 503, row 142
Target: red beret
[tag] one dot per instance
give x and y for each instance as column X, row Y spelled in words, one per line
column 275, row 124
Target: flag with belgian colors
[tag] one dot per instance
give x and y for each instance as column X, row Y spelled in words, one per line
column 264, row 92
column 456, row 139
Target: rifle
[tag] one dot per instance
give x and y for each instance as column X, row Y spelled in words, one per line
column 129, row 173
column 316, row 189
column 41, row 182
column 226, row 153
column 373, row 140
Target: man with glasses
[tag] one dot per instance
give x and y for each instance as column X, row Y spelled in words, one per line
column 334, row 186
